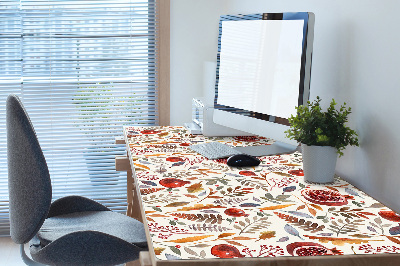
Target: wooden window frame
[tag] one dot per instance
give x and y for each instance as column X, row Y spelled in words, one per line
column 163, row 84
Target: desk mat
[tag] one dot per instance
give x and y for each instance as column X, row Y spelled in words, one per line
column 199, row 208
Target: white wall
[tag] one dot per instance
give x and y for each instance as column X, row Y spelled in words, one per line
column 356, row 59
column 194, row 41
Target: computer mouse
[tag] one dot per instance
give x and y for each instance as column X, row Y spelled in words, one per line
column 239, row 160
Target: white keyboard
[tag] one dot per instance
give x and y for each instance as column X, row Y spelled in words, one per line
column 214, row 150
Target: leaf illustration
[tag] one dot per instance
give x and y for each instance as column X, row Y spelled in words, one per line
column 395, row 240
column 234, row 243
column 138, row 165
column 157, row 215
column 370, row 228
column 316, row 207
column 348, row 226
column 201, row 246
column 229, row 201
column 340, row 241
column 200, row 207
column 150, row 183
column 282, row 174
column 377, row 205
column 331, row 188
column 289, row 189
column 146, row 191
column 267, row 235
column 191, row 196
column 207, row 218
column 291, row 230
column 171, row 257
column 306, row 226
column 283, row 239
column 177, row 204
column 256, row 199
column 394, row 230
column 225, row 235
column 361, row 236
column 190, row 239
column 276, row 207
column 158, row 251
column 175, row 250
column 195, row 188
column 190, row 251
column 312, row 211
column 351, row 192
column 242, row 238
column 202, row 253
column 301, row 214
column 208, row 227
column 300, row 207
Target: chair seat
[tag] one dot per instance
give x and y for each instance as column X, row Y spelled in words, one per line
column 108, row 222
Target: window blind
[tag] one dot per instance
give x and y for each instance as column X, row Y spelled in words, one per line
column 83, row 69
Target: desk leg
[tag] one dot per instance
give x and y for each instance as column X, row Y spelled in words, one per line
column 144, row 260
column 133, row 198
column 130, row 191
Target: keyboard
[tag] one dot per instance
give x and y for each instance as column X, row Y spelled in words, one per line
column 214, row 150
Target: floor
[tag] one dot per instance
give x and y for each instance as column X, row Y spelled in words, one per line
column 10, row 256
column 9, row 253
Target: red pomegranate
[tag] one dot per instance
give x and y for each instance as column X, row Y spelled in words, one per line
column 173, row 182
column 149, row 131
column 185, row 144
column 174, row 159
column 310, row 249
column 296, row 172
column 235, row 212
column 390, row 215
column 247, row 173
column 226, row 251
column 324, row 197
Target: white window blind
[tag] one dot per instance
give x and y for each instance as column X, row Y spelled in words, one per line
column 83, row 69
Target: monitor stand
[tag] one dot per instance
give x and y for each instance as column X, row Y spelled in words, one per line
column 265, row 150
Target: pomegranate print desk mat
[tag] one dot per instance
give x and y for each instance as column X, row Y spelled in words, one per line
column 199, row 208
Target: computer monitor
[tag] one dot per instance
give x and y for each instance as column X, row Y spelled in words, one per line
column 263, row 73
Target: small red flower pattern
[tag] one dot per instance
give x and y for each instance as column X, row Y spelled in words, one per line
column 198, row 208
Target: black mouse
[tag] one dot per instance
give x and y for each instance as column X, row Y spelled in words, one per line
column 242, row 160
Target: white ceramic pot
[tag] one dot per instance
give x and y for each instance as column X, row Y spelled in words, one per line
column 319, row 163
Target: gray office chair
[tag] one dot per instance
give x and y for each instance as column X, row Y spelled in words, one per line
column 70, row 231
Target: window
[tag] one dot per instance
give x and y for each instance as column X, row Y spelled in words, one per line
column 83, row 69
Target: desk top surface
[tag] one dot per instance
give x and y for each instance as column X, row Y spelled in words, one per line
column 203, row 209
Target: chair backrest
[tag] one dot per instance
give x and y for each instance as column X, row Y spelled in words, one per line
column 29, row 183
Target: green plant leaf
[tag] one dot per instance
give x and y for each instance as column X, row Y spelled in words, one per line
column 312, row 126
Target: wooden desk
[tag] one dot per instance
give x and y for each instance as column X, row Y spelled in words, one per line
column 203, row 212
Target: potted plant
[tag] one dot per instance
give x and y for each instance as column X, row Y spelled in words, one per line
column 323, row 136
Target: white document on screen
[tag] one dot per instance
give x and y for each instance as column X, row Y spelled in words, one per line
column 260, row 63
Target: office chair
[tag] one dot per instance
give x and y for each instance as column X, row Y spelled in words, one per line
column 70, row 231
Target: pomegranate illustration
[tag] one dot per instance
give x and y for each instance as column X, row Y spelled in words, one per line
column 310, row 249
column 149, row 131
column 296, row 172
column 226, row 251
column 235, row 212
column 173, row 182
column 390, row 215
column 174, row 159
column 247, row 173
column 324, row 197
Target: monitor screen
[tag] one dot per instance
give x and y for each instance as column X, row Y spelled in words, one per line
column 260, row 64
column 263, row 71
